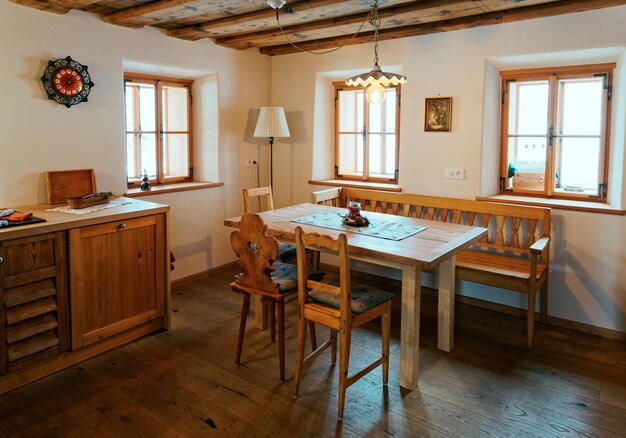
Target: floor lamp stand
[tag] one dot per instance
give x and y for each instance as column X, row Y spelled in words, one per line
column 271, row 163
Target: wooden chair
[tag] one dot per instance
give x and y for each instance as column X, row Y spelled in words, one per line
column 341, row 306
column 261, row 277
column 285, row 251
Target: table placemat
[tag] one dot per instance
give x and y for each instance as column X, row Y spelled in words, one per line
column 376, row 228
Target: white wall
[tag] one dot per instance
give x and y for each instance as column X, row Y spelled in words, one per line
column 39, row 135
column 588, row 275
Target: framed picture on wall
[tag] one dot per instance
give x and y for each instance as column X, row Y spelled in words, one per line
column 438, row 115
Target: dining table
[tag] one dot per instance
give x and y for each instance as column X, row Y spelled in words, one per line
column 434, row 244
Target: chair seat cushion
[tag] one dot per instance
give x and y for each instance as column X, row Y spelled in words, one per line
column 362, row 298
column 286, row 251
column 285, row 276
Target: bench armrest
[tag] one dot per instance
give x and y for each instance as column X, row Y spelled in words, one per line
column 540, row 245
column 327, row 196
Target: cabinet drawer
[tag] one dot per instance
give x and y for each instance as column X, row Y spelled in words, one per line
column 117, row 226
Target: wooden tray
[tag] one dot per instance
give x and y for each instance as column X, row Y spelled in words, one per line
column 65, row 184
column 28, row 221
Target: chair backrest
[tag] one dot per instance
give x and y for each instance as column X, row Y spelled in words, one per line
column 338, row 246
column 260, row 191
column 256, row 252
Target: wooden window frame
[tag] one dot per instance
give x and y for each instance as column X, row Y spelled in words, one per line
column 553, row 75
column 341, row 85
column 159, row 82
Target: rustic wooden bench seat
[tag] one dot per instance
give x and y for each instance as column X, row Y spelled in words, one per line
column 513, row 255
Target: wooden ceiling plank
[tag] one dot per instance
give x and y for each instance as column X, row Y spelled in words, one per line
column 237, row 41
column 190, row 32
column 47, row 6
column 499, row 17
column 146, row 8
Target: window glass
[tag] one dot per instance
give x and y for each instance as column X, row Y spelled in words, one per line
column 147, row 108
column 582, row 106
column 175, row 101
column 175, row 157
column 529, row 108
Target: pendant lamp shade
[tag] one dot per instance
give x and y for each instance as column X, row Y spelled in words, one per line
column 271, row 123
column 376, row 76
column 376, row 79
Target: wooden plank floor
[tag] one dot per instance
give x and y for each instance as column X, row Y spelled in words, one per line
column 184, row 383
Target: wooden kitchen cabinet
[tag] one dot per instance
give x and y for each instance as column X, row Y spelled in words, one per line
column 76, row 286
column 114, row 270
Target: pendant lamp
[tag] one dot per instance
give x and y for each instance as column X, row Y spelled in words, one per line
column 376, row 79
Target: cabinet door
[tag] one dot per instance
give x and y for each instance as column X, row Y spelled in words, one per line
column 33, row 300
column 117, row 273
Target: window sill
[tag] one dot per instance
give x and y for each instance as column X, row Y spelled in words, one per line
column 557, row 204
column 358, row 185
column 170, row 188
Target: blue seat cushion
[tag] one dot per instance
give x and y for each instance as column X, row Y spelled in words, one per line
column 285, row 276
column 286, row 251
column 362, row 298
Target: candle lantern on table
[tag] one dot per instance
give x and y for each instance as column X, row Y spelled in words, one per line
column 354, row 217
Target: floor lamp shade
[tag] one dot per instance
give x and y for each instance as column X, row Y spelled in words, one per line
column 271, row 123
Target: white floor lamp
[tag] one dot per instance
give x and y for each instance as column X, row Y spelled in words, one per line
column 270, row 124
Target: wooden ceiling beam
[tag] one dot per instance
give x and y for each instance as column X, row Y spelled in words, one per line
column 246, row 38
column 299, row 6
column 56, row 6
column 49, row 6
column 139, row 10
column 499, row 17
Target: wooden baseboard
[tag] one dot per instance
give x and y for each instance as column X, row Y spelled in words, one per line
column 377, row 280
column 204, row 274
column 587, row 328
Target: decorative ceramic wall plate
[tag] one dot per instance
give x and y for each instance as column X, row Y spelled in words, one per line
column 66, row 81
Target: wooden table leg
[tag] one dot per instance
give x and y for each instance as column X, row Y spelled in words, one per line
column 445, row 313
column 410, row 330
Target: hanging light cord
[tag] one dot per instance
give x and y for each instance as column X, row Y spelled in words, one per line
column 375, row 21
column 372, row 18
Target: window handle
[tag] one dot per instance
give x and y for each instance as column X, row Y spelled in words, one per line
column 551, row 137
column 363, row 133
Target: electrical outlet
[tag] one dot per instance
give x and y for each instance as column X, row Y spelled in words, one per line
column 250, row 163
column 454, row 173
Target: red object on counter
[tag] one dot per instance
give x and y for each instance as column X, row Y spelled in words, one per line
column 16, row 217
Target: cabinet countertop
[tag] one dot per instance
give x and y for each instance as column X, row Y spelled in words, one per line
column 57, row 221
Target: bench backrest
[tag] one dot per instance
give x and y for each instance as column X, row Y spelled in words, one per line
column 513, row 228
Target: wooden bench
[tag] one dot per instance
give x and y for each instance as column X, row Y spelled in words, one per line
column 513, row 255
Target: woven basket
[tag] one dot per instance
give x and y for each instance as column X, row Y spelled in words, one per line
column 92, row 200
